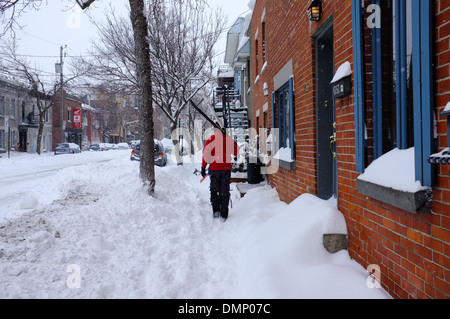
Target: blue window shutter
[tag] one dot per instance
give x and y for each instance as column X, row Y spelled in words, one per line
column 422, row 13
column 274, row 124
column 273, row 111
column 417, row 74
column 292, row 117
column 358, row 54
column 426, row 53
column 377, row 79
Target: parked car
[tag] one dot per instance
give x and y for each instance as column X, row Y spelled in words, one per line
column 121, row 146
column 159, row 151
column 168, row 145
column 67, row 148
column 95, row 148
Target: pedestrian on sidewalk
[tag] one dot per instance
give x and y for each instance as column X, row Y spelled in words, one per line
column 218, row 152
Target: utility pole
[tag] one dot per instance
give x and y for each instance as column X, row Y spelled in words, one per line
column 59, row 69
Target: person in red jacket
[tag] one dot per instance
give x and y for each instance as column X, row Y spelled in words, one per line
column 218, row 152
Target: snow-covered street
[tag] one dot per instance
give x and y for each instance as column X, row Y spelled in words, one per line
column 81, row 226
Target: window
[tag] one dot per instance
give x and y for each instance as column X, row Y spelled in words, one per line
column 2, row 139
column 394, row 118
column 2, row 105
column 266, row 123
column 264, row 41
column 69, row 118
column 13, row 108
column 13, row 139
column 257, row 56
column 23, row 112
column 283, row 114
column 398, row 57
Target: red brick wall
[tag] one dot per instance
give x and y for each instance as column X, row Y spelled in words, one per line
column 56, row 117
column 412, row 250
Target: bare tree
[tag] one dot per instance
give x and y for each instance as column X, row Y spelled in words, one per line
column 182, row 35
column 144, row 81
column 10, row 11
column 182, row 48
column 42, row 92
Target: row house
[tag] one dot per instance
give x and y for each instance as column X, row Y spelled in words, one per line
column 74, row 121
column 67, row 119
column 91, row 125
column 19, row 117
column 356, row 90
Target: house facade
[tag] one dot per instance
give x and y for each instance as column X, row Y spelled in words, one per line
column 19, row 118
column 92, row 126
column 356, row 99
column 66, row 119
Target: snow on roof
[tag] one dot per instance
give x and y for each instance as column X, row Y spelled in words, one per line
column 229, row 74
column 343, row 71
column 87, row 107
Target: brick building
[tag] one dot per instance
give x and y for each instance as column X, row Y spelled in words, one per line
column 396, row 54
column 92, row 126
column 68, row 126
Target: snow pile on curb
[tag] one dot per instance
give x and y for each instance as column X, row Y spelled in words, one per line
column 283, row 254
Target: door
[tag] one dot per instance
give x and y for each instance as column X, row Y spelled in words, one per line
column 325, row 116
column 23, row 141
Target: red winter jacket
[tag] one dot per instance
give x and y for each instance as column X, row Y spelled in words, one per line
column 218, row 152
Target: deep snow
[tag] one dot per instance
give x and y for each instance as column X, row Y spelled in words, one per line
column 93, row 225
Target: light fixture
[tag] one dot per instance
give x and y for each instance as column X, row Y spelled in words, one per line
column 84, row 3
column 315, row 10
column 266, row 89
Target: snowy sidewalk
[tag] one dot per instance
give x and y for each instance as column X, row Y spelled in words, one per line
column 103, row 233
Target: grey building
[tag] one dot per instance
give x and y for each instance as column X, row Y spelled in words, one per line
column 19, row 117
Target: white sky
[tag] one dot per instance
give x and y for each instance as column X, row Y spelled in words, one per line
column 61, row 22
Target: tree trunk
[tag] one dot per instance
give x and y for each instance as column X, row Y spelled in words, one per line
column 176, row 143
column 143, row 72
column 40, row 132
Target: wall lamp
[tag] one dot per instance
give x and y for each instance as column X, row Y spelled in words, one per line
column 315, row 10
column 84, row 3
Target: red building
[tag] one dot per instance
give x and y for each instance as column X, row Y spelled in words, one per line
column 390, row 68
column 92, row 125
column 77, row 123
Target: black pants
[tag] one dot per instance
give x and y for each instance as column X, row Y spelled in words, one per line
column 220, row 191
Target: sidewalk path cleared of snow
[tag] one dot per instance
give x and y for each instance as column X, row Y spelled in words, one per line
column 101, row 236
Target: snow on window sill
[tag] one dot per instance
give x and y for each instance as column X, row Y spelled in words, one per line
column 264, row 68
column 257, row 79
column 391, row 179
column 284, row 158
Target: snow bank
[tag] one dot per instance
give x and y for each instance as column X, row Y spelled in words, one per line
column 283, row 255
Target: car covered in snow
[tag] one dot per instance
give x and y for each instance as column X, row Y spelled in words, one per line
column 67, row 148
column 96, row 148
column 159, row 151
column 121, row 146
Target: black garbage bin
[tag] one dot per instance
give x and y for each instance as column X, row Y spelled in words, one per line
column 254, row 175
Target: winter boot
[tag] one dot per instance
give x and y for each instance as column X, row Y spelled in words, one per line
column 215, row 202
column 224, row 200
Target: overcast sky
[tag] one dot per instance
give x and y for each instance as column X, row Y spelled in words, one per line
column 58, row 23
